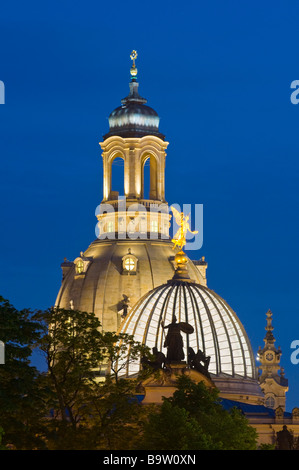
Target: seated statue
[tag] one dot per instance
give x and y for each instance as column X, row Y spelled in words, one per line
column 199, row 361
column 158, row 362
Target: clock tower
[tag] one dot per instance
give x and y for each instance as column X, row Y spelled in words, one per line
column 272, row 380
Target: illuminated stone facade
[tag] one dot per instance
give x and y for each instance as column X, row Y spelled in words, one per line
column 133, row 227
column 126, row 277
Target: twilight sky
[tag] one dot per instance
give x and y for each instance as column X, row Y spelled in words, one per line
column 219, row 76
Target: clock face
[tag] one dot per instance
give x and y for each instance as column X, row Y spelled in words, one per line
column 269, row 356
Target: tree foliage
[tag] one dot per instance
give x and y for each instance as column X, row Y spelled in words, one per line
column 170, row 427
column 90, row 399
column 22, row 405
column 72, row 346
column 84, row 401
column 193, row 418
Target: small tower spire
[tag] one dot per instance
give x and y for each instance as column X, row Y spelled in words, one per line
column 273, row 384
column 133, row 96
column 269, row 338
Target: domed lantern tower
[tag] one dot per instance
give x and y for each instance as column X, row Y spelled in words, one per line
column 133, row 252
column 134, row 137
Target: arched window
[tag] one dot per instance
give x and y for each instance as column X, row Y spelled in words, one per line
column 79, row 266
column 117, row 178
column 150, row 178
column 270, row 401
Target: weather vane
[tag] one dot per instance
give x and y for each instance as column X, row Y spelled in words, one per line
column 133, row 57
column 182, row 220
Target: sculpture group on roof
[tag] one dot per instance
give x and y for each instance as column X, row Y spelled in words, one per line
column 175, row 350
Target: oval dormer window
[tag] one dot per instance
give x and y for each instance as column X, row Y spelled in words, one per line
column 129, row 263
column 79, row 266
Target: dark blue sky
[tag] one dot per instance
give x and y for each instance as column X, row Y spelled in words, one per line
column 219, row 74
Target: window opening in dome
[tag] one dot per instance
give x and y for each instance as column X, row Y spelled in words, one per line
column 79, row 267
column 129, row 264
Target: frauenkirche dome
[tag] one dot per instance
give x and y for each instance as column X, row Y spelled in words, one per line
column 133, row 252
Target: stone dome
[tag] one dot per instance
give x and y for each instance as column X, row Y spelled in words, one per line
column 217, row 331
column 96, row 281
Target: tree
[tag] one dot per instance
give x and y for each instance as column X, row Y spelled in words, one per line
column 170, row 427
column 120, row 350
column 93, row 405
column 117, row 415
column 193, row 418
column 228, row 429
column 72, row 345
column 22, row 405
column 90, row 400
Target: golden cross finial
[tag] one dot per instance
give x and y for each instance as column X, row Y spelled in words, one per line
column 133, row 57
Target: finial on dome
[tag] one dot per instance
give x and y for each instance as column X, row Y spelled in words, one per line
column 181, row 271
column 133, row 70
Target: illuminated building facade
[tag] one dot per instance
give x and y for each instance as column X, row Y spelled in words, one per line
column 129, row 277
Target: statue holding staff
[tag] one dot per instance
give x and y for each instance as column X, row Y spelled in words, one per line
column 174, row 341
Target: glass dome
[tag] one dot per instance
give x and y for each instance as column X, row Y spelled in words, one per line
column 217, row 330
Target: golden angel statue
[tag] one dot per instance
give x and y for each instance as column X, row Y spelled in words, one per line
column 182, row 220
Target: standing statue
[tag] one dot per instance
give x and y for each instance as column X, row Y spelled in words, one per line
column 174, row 341
column 285, row 440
